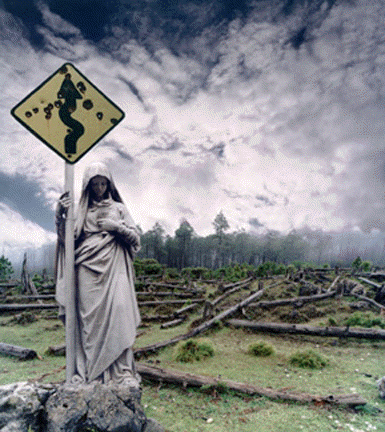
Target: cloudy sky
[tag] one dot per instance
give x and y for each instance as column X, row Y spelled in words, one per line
column 269, row 110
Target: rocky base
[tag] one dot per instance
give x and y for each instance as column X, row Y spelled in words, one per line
column 95, row 407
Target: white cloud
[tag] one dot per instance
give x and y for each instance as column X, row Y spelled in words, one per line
column 19, row 232
column 303, row 128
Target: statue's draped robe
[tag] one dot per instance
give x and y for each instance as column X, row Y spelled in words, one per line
column 107, row 311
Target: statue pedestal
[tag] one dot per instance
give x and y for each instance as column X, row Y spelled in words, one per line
column 64, row 408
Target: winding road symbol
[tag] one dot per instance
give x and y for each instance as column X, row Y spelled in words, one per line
column 69, row 93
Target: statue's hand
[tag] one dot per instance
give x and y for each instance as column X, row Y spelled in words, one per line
column 63, row 204
column 106, row 224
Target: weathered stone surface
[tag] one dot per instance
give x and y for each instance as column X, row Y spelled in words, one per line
column 102, row 407
column 22, row 406
column 62, row 408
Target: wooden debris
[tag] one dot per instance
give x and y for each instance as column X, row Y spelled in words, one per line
column 341, row 332
column 164, row 294
column 370, row 301
column 186, row 379
column 26, row 281
column 200, row 329
column 168, row 302
column 20, row 307
column 17, row 351
column 369, row 282
column 58, row 350
column 173, row 323
column 297, row 301
column 334, row 283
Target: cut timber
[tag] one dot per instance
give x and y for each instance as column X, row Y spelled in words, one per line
column 297, row 301
column 31, row 297
column 173, row 323
column 168, row 302
column 10, row 284
column 334, row 283
column 174, row 287
column 230, row 291
column 185, row 309
column 185, row 379
column 164, row 294
column 342, row 332
column 200, row 329
column 239, row 283
column 16, row 351
column 369, row 282
column 58, row 350
column 19, row 307
column 370, row 301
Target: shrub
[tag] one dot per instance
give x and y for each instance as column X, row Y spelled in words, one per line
column 260, row 349
column 196, row 272
column 172, row 273
column 365, row 319
column 148, row 266
column 6, row 269
column 366, row 266
column 308, row 359
column 193, row 350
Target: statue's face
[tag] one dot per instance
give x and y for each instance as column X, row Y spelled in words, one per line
column 99, row 186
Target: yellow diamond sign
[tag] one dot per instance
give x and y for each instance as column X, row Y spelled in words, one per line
column 68, row 113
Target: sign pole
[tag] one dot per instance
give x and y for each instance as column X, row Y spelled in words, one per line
column 69, row 114
column 69, row 275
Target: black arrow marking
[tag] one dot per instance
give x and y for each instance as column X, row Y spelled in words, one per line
column 69, row 93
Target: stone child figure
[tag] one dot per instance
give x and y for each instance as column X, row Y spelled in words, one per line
column 107, row 313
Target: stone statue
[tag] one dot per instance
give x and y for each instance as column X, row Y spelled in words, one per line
column 107, row 313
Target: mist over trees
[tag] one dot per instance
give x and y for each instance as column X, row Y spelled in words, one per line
column 185, row 248
column 222, row 248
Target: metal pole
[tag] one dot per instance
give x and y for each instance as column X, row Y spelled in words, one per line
column 70, row 276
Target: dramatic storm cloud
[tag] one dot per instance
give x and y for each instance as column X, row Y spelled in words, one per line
column 271, row 111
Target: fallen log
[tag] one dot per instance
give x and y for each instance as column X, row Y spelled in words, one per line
column 297, row 301
column 164, row 294
column 332, row 286
column 186, row 379
column 185, row 309
column 235, row 284
column 200, row 329
column 10, row 284
column 229, row 292
column 168, row 302
column 341, row 332
column 17, row 351
column 370, row 301
column 169, row 317
column 175, row 287
column 58, row 350
column 19, row 307
column 369, row 282
column 31, row 297
column 173, row 323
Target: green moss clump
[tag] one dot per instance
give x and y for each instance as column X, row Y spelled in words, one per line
column 260, row 349
column 308, row 359
column 365, row 319
column 193, row 350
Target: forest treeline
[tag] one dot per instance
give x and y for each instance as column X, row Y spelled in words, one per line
column 223, row 248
